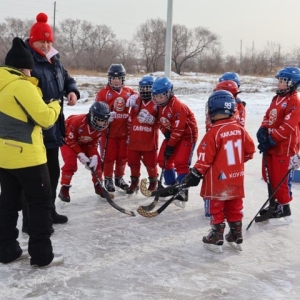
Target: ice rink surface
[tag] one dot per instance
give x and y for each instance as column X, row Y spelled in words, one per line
column 112, row 256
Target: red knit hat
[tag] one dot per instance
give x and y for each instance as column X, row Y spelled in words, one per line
column 41, row 31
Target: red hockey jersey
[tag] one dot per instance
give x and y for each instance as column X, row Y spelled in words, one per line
column 79, row 132
column 177, row 118
column 221, row 156
column 143, row 136
column 283, row 120
column 117, row 103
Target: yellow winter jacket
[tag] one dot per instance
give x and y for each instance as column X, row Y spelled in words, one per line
column 23, row 114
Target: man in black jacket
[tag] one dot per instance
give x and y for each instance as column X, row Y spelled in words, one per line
column 55, row 82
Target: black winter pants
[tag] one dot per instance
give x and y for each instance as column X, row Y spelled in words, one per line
column 54, row 173
column 35, row 184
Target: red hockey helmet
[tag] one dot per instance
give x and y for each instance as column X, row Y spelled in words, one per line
column 228, row 85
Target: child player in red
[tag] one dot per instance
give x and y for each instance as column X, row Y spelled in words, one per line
column 224, row 149
column 179, row 126
column 113, row 142
column 239, row 114
column 82, row 138
column 143, row 136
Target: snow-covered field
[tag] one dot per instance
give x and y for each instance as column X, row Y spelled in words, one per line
column 112, row 256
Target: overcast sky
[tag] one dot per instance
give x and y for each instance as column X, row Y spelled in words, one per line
column 254, row 22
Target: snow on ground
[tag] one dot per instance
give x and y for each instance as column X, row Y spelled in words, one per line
column 112, row 256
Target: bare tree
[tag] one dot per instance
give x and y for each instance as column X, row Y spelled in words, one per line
column 189, row 43
column 151, row 38
column 11, row 28
column 273, row 56
column 231, row 64
column 100, row 37
column 73, row 34
column 293, row 58
column 211, row 60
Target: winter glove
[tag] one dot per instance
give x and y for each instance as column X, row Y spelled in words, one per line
column 131, row 101
column 264, row 147
column 112, row 116
column 93, row 163
column 169, row 151
column 167, row 135
column 193, row 178
column 145, row 117
column 262, row 135
column 294, row 162
column 83, row 159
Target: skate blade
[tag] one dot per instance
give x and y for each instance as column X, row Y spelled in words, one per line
column 213, row 248
column 235, row 246
column 180, row 204
column 118, row 189
column 281, row 221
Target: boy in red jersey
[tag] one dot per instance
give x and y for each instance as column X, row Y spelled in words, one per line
column 83, row 133
column 239, row 115
column 179, row 126
column 143, row 136
column 278, row 137
column 221, row 156
column 114, row 147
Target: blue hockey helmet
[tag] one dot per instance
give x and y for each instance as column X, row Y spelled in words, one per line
column 162, row 85
column 231, row 76
column 145, row 87
column 292, row 77
column 221, row 102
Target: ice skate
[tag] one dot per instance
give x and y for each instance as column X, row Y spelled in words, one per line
column 64, row 194
column 214, row 240
column 281, row 215
column 153, row 184
column 99, row 191
column 109, row 184
column 264, row 210
column 234, row 237
column 134, row 186
column 182, row 198
column 121, row 184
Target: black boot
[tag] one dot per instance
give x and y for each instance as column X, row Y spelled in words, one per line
column 58, row 219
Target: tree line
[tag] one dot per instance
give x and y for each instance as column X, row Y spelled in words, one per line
column 88, row 46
